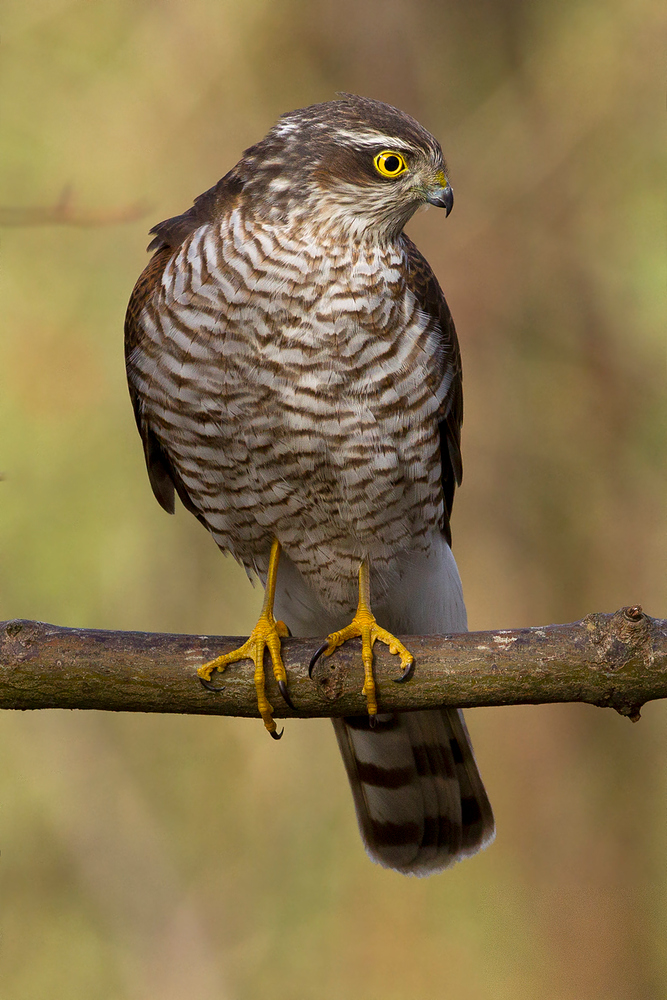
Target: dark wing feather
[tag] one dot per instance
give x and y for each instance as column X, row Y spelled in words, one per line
column 425, row 287
column 169, row 235
column 172, row 232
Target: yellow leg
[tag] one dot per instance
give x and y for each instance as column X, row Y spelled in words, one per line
column 266, row 633
column 363, row 625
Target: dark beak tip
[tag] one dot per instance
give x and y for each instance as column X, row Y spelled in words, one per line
column 443, row 198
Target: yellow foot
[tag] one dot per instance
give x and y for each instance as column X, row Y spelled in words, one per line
column 364, row 626
column 266, row 633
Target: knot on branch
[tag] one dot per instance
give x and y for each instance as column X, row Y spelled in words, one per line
column 621, row 638
column 624, row 642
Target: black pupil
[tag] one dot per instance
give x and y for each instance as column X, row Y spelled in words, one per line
column 392, row 164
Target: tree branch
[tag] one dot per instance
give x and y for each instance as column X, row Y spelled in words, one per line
column 616, row 660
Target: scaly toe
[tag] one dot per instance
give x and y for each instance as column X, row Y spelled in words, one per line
column 282, row 630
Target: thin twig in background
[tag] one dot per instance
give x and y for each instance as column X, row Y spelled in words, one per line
column 65, row 213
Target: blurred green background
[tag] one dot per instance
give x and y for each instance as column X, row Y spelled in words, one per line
column 148, row 857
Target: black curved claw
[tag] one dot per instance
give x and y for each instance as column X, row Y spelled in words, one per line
column 211, row 687
column 372, row 721
column 282, row 687
column 276, row 736
column 406, row 675
column 316, row 655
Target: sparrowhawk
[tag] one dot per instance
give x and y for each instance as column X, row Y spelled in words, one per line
column 296, row 379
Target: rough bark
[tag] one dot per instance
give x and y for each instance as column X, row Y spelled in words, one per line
column 616, row 660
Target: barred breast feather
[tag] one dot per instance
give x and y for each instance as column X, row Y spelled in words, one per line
column 294, row 389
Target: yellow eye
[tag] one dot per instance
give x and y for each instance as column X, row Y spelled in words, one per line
column 390, row 164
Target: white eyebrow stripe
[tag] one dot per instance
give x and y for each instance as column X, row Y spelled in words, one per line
column 376, row 139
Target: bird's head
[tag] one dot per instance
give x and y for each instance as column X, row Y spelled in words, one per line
column 354, row 166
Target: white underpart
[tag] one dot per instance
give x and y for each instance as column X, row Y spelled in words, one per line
column 420, row 595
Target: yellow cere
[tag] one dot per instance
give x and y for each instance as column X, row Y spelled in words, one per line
column 440, row 178
column 389, row 163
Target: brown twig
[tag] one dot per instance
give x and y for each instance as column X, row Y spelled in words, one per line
column 616, row 660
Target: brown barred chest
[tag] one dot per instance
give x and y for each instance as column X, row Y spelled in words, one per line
column 295, row 391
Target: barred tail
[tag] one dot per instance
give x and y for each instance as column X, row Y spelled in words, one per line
column 419, row 799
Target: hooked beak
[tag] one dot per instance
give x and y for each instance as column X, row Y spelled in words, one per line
column 442, row 197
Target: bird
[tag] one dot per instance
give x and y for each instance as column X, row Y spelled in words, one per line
column 296, row 381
